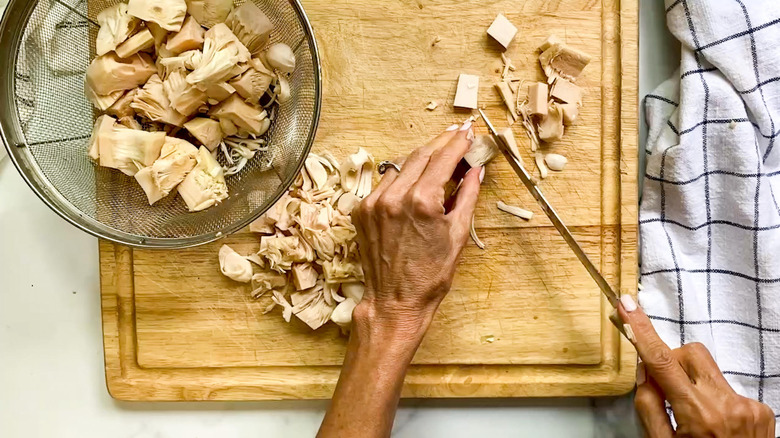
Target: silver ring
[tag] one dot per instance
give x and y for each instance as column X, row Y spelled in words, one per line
column 384, row 165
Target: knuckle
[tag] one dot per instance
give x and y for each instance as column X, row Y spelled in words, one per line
column 366, row 207
column 696, row 349
column 644, row 399
column 420, row 200
column 389, row 206
column 660, row 356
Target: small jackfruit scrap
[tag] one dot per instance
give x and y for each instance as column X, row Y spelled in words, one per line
column 502, row 30
column 570, row 112
column 234, row 266
column 515, row 211
column 177, row 159
column 508, row 97
column 566, row 92
column 168, row 14
column 482, row 150
column 467, row 93
column 190, row 37
column 555, row 162
column 304, row 276
column 116, row 25
column 266, row 281
column 205, row 185
column 209, row 12
column 561, row 60
column 537, row 99
column 206, row 131
column 357, row 173
column 109, row 73
column 550, row 128
column 251, row 26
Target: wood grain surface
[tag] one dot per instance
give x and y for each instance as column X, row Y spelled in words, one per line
column 523, row 317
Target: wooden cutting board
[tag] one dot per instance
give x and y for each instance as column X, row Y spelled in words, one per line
column 523, row 317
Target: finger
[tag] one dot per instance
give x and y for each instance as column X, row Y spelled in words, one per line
column 418, row 160
column 466, row 202
column 658, row 357
column 442, row 164
column 699, row 365
column 390, row 175
column 651, row 409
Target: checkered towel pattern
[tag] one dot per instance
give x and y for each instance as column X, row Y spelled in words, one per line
column 710, row 216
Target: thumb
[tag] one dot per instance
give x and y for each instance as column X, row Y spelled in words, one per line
column 466, row 201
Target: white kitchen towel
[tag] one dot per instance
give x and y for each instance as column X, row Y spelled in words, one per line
column 710, row 212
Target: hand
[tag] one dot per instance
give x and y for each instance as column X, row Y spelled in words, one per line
column 409, row 245
column 704, row 404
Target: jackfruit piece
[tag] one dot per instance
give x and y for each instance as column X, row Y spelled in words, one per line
column 243, row 115
column 177, row 159
column 184, row 98
column 188, row 60
column 146, row 181
column 190, row 37
column 103, row 126
column 219, row 92
column 109, row 73
column 100, row 102
column 252, row 85
column 136, row 43
column 129, row 150
column 121, row 108
column 205, row 130
column 205, row 185
column 151, row 102
column 281, row 57
column 169, row 14
column 222, row 51
column 251, row 26
column 209, row 12
column 116, row 25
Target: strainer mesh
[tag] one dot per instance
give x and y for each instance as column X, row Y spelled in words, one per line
column 56, row 120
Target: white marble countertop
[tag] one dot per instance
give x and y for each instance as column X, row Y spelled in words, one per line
column 52, row 381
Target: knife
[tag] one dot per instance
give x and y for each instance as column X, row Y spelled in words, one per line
column 554, row 218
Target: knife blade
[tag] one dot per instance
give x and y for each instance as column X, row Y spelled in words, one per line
column 525, row 177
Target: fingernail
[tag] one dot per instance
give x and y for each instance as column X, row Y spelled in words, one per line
column 452, row 128
column 628, row 303
column 482, row 175
column 466, row 126
column 641, row 374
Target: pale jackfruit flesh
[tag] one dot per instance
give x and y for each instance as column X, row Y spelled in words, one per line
column 190, row 37
column 152, row 103
column 102, row 103
column 205, row 185
column 177, row 159
column 136, row 43
column 103, row 126
column 129, row 150
column 121, row 108
column 251, row 26
column 205, row 130
column 221, row 52
column 252, row 84
column 183, row 97
column 146, row 181
column 246, row 117
column 209, row 12
column 116, row 25
column 109, row 73
column 219, row 92
column 168, row 14
column 188, row 60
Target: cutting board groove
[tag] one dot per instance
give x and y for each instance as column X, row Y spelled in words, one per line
column 175, row 329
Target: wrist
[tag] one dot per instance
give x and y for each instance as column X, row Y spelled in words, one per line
column 394, row 330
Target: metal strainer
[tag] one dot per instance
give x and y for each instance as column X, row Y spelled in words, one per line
column 46, row 122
